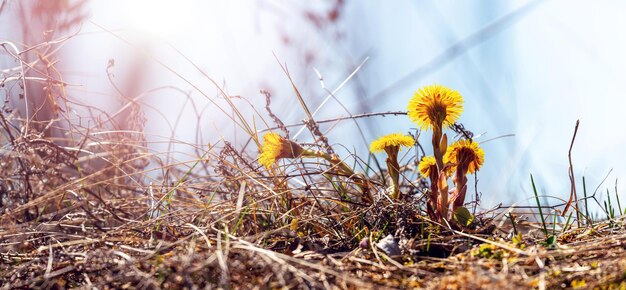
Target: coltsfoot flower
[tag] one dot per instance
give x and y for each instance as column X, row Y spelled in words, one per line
column 435, row 106
column 276, row 147
column 465, row 154
column 391, row 142
column 427, row 165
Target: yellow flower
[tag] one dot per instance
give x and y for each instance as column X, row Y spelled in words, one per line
column 276, row 147
column 465, row 154
column 391, row 144
column 426, row 165
column 429, row 163
column 434, row 106
column 390, row 141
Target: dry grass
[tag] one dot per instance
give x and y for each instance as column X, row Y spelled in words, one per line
column 90, row 215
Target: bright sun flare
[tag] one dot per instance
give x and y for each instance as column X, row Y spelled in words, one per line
column 159, row 17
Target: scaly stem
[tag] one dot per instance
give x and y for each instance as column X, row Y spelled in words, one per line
column 336, row 162
column 443, row 203
column 436, row 146
column 460, row 181
column 434, row 195
column 439, row 184
column 393, row 167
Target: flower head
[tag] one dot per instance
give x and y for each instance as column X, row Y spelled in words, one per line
column 435, row 106
column 276, row 147
column 465, row 154
column 428, row 163
column 391, row 141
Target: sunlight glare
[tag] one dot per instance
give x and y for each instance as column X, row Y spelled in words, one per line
column 160, row 18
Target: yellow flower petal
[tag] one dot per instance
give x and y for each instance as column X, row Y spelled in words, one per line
column 465, row 153
column 429, row 163
column 276, row 147
column 391, row 140
column 426, row 165
column 435, row 105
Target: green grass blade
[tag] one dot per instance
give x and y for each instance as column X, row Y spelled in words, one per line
column 589, row 218
column 543, row 220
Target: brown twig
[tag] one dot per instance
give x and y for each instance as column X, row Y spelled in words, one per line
column 357, row 116
column 573, row 195
column 279, row 123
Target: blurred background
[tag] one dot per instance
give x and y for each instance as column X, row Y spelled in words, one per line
column 528, row 68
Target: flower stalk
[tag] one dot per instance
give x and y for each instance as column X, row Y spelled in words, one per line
column 392, row 144
column 276, row 147
column 468, row 158
column 437, row 107
column 436, row 204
